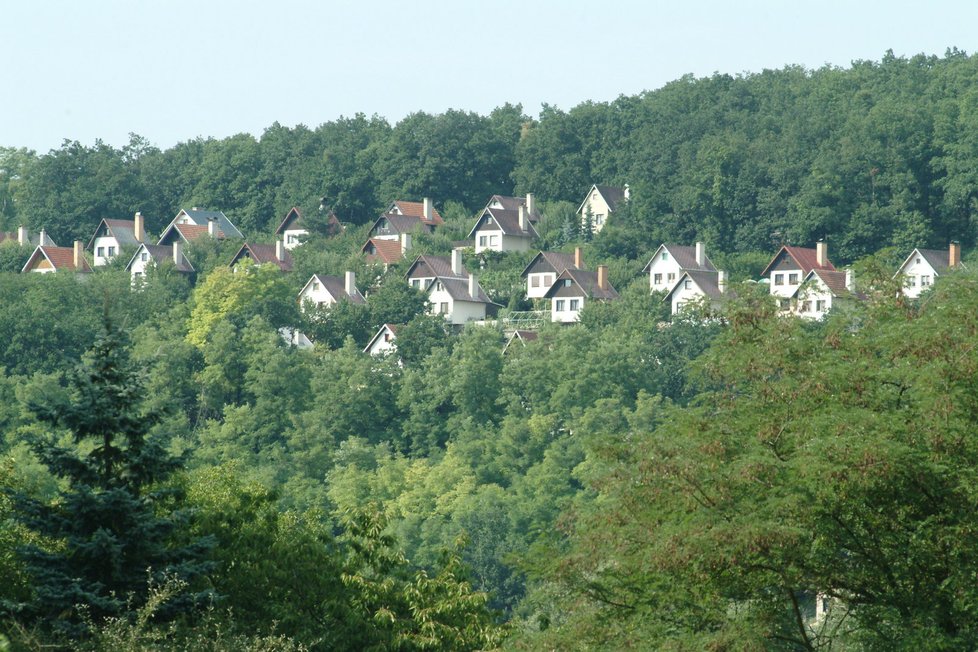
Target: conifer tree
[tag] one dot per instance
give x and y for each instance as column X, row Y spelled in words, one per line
column 112, row 529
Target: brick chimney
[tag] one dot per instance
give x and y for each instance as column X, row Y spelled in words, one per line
column 211, row 227
column 139, row 227
column 603, row 277
column 177, row 252
column 700, row 254
column 23, row 236
column 531, row 204
column 954, row 254
column 280, row 251
column 78, row 254
column 350, row 283
column 405, row 242
column 523, row 220
column 429, row 213
column 722, row 281
column 578, row 258
column 457, row 262
column 822, row 253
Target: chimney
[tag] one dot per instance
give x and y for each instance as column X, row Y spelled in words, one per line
column 211, row 228
column 405, row 242
column 850, row 281
column 429, row 214
column 139, row 227
column 280, row 251
column 44, row 240
column 954, row 254
column 195, row 209
column 523, row 226
column 700, row 254
column 457, row 262
column 23, row 236
column 578, row 258
column 722, row 281
column 531, row 204
column 627, row 191
column 473, row 287
column 78, row 256
column 350, row 283
column 177, row 252
column 602, row 277
column 821, row 253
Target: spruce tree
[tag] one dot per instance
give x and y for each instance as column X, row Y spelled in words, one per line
column 113, row 529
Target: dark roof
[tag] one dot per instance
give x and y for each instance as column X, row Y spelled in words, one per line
column 685, row 257
column 416, row 209
column 587, row 282
column 613, row 196
column 708, row 282
column 806, row 259
column 388, row 251
column 400, row 223
column 458, row 289
column 261, row 254
column 508, row 221
column 939, row 259
column 292, row 219
column 512, row 204
column 438, row 265
column 336, row 286
column 201, row 218
column 124, row 231
column 162, row 252
column 558, row 260
column 61, row 258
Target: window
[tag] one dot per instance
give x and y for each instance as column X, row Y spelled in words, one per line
column 416, row 282
column 111, row 251
column 144, row 256
column 664, row 256
column 671, row 277
column 439, row 286
column 918, row 260
column 779, row 279
column 548, row 279
column 315, row 286
column 806, row 306
column 292, row 239
column 560, row 305
column 820, row 305
column 534, row 281
column 387, row 337
column 793, row 279
column 911, row 281
column 100, row 252
column 687, row 284
column 657, row 279
column 599, row 219
column 493, row 240
column 575, row 305
column 924, row 281
column 567, row 282
column 482, row 240
column 444, row 307
column 785, row 304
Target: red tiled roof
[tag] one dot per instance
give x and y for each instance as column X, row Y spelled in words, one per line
column 806, row 259
column 416, row 209
column 387, row 251
column 61, row 258
column 191, row 232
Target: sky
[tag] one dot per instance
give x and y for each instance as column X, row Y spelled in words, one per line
column 174, row 70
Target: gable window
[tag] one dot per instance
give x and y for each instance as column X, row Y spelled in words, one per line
column 416, row 282
column 548, row 279
column 599, row 219
column 575, row 304
column 793, row 279
column 567, row 282
column 687, row 284
column 918, row 260
column 292, row 239
column 439, row 286
column 100, row 252
column 560, row 305
column 779, row 279
column 315, row 286
column 657, row 279
column 144, row 256
column 665, row 256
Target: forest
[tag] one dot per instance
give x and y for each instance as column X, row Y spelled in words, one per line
column 176, row 477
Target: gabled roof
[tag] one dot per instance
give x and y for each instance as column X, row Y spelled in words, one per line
column 41, row 238
column 391, row 328
column 805, row 259
column 124, row 231
column 685, row 257
column 438, row 265
column 586, row 282
column 187, row 233
column 336, row 287
column 834, row 280
column 508, row 221
column 160, row 253
column 61, row 258
column 613, row 196
column 507, row 203
column 556, row 259
column 707, row 282
column 293, row 220
column 400, row 223
column 938, row 259
column 387, row 251
column 201, row 218
column 415, row 209
column 522, row 337
column 261, row 254
column 458, row 289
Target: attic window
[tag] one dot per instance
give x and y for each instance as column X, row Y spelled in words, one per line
column 567, row 282
column 665, row 256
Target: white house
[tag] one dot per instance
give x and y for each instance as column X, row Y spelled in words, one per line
column 323, row 290
column 574, row 288
column 923, row 266
column 696, row 287
column 426, row 269
column 148, row 256
column 112, row 235
column 261, row 254
column 498, row 229
column 821, row 290
column 191, row 224
column 544, row 269
column 506, row 203
column 790, row 267
column 600, row 202
column 291, row 231
column 46, row 259
column 384, row 342
column 459, row 300
column 670, row 261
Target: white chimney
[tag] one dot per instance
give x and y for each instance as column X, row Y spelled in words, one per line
column 578, row 258
column 350, row 283
column 954, row 254
column 78, row 252
column 473, row 287
column 700, row 254
column 603, row 277
column 428, row 210
column 523, row 225
column 405, row 242
column 850, row 281
column 139, row 227
column 822, row 253
column 177, row 252
column 211, row 228
column 627, row 191
column 44, row 240
column 457, row 262
column 23, row 236
column 531, row 204
column 280, row 251
column 722, row 281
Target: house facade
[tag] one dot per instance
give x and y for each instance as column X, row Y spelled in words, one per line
column 149, row 256
column 821, row 291
column 499, row 229
column 47, row 259
column 670, row 261
column 384, row 342
column 291, row 231
column 322, row 290
column 544, row 269
column 790, row 267
column 459, row 300
column 262, row 254
column 599, row 203
column 112, row 235
column 426, row 269
column 194, row 223
column 696, row 288
column 923, row 266
column 574, row 288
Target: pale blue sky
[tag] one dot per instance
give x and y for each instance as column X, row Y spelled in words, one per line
column 171, row 70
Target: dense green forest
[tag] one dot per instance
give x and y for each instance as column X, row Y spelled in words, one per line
column 177, row 477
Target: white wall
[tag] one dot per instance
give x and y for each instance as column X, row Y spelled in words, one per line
column 561, row 309
column 918, row 276
column 538, row 283
column 599, row 211
column 293, row 237
column 663, row 272
column 688, row 291
column 103, row 242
